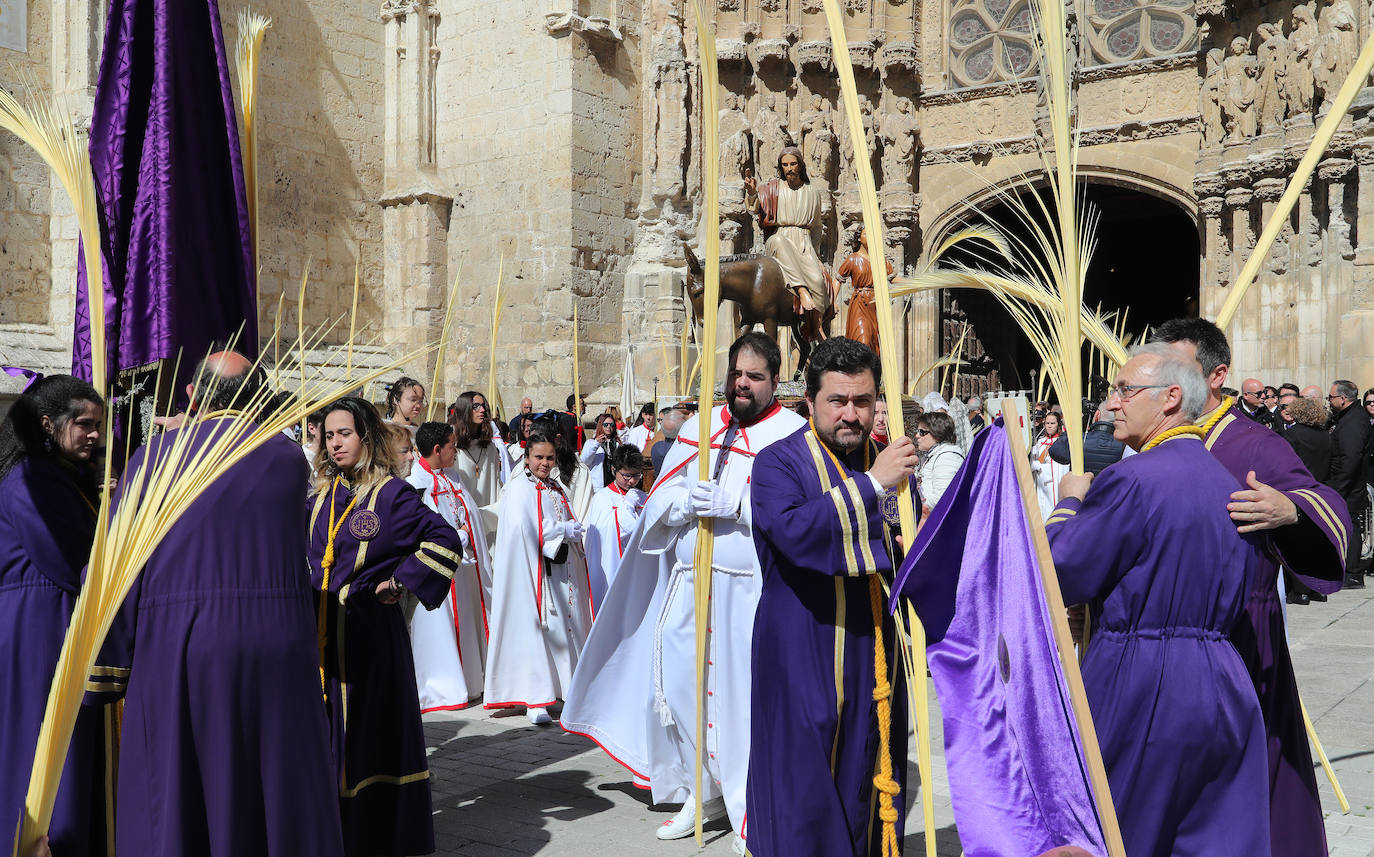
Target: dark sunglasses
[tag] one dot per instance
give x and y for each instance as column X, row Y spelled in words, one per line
column 922, row 432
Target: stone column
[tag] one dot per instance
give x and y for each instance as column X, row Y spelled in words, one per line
column 1245, row 333
column 415, row 206
column 1216, row 256
column 1320, row 348
column 1356, row 360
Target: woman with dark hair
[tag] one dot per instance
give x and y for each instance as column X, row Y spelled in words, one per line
column 481, row 463
column 541, row 608
column 405, row 403
column 48, row 503
column 599, row 449
column 940, row 455
column 372, row 540
column 1046, row 470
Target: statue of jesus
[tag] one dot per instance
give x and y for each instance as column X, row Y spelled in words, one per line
column 789, row 212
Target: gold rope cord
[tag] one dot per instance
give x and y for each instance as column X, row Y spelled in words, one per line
column 326, row 566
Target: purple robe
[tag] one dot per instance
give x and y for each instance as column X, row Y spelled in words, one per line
column 224, row 748
column 814, row 737
column 48, row 524
column 1152, row 547
column 382, row 775
column 177, row 248
column 1313, row 549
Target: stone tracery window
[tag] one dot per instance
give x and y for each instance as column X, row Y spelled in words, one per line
column 991, row 40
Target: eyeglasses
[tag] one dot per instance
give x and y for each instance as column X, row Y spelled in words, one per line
column 922, row 432
column 1369, row 403
column 1125, row 392
column 1337, row 396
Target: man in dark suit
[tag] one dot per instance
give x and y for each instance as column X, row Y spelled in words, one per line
column 1350, row 432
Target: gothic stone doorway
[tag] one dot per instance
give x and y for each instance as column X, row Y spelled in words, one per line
column 1147, row 264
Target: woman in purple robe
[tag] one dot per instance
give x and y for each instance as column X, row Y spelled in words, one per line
column 372, row 540
column 48, row 498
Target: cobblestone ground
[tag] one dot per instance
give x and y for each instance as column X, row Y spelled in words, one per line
column 503, row 787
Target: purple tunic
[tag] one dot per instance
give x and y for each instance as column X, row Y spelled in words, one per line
column 382, row 775
column 47, row 525
column 224, row 745
column 814, row 734
column 1152, row 547
column 1312, row 549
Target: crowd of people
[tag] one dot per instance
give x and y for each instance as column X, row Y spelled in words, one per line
column 278, row 653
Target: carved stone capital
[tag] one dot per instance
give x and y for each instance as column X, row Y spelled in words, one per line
column 1211, row 206
column 393, row 9
column 1270, row 189
column 1208, row 184
column 1334, row 169
column 1215, row 9
column 423, row 192
column 731, row 51
column 814, row 55
column 766, row 52
column 896, row 236
column 861, row 54
column 899, row 57
column 1239, row 197
column 1364, row 153
column 594, row 28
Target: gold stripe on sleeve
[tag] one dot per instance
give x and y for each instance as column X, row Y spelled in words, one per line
column 441, row 551
column 1324, row 510
column 857, row 499
column 118, row 672
column 439, row 567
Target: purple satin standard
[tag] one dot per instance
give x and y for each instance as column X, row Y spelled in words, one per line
column 1312, row 549
column 1153, row 549
column 1017, row 775
column 164, row 148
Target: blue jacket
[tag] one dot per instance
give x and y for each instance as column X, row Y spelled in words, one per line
column 1100, row 449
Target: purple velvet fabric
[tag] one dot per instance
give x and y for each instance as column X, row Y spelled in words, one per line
column 1313, row 550
column 1017, row 776
column 169, row 184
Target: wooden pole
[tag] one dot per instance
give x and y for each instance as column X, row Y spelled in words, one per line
column 1321, row 756
column 710, row 182
column 1063, row 641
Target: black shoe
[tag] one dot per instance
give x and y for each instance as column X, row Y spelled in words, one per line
column 1299, row 598
column 1354, row 580
column 1317, row 596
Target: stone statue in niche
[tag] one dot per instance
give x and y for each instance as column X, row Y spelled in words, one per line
column 1336, row 48
column 736, row 142
column 818, row 140
column 770, row 133
column 669, row 87
column 1213, row 90
column 1242, row 88
column 901, row 134
column 1302, row 42
column 848, row 177
column 1273, row 54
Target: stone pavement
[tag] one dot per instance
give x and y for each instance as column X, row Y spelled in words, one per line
column 504, row 788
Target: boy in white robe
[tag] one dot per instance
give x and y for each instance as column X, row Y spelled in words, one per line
column 450, row 643
column 610, row 520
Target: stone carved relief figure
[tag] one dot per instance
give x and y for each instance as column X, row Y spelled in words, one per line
column 847, row 175
column 1336, row 48
column 668, row 83
column 1302, row 44
column 1242, row 88
column 1273, row 55
column 1213, row 92
column 770, row 133
column 736, row 142
column 901, row 134
column 818, row 140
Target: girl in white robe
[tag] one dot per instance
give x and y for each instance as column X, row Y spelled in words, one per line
column 478, row 465
column 541, row 609
column 614, row 512
column 1046, row 471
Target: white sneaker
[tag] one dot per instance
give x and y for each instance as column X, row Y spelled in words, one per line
column 684, row 823
column 538, row 716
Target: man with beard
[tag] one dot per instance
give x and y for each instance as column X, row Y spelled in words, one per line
column 635, row 691
column 789, row 212
column 828, row 754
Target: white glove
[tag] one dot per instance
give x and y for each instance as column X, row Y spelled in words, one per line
column 709, row 500
column 572, row 531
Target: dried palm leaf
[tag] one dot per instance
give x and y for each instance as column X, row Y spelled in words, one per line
column 494, row 389
column 443, row 342
column 247, row 53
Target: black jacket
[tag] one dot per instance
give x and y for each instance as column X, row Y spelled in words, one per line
column 1350, row 431
column 1100, row 448
column 1313, row 446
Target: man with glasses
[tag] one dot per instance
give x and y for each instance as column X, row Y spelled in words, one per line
column 1283, row 420
column 1252, row 402
column 1307, row 529
column 1149, row 542
column 1349, row 465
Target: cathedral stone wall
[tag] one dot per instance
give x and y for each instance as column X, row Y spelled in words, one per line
column 25, row 194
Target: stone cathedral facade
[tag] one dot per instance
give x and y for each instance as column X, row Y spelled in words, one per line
column 559, row 141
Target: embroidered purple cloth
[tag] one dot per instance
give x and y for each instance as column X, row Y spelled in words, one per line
column 169, row 185
column 1017, row 778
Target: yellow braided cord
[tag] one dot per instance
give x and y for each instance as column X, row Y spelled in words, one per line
column 883, row 781
column 327, row 565
column 1177, row 431
column 1221, row 411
